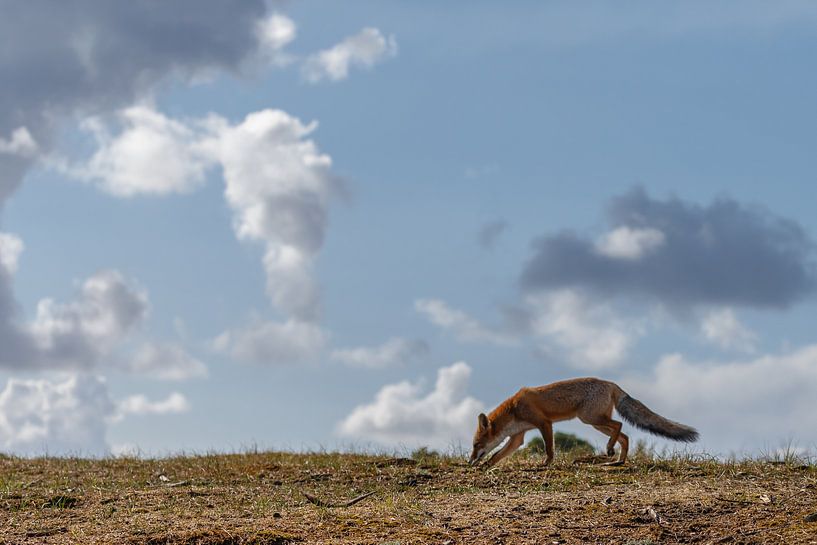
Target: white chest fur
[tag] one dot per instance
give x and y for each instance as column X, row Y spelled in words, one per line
column 510, row 429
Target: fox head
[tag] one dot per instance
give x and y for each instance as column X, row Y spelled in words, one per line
column 485, row 439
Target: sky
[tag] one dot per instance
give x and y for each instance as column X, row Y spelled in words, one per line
column 306, row 225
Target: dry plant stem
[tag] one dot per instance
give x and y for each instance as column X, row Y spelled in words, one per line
column 312, row 499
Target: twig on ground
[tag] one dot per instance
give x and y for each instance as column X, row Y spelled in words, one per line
column 744, row 502
column 321, row 503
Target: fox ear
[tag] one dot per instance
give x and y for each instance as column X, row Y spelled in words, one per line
column 483, row 421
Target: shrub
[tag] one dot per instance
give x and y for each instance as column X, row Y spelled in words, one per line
column 564, row 442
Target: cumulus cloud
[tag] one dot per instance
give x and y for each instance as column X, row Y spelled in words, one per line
column 151, row 155
column 139, row 404
column 93, row 57
column 91, row 331
column 11, row 246
column 68, row 416
column 365, row 49
column 277, row 183
column 79, row 333
column 404, row 414
column 164, row 361
column 464, row 327
column 682, row 255
column 762, row 401
column 627, row 243
column 19, row 143
column 274, row 33
column 591, row 335
column 723, row 327
column 62, row 62
column 275, row 343
column 564, row 323
column 393, row 352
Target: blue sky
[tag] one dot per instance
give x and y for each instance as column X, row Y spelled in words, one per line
column 324, row 304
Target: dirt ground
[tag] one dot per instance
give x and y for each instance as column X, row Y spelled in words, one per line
column 260, row 499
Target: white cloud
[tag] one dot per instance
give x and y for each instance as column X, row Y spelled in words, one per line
column 68, row 417
column 591, row 334
column 724, row 329
column 275, row 32
column 60, row 61
column 80, row 333
column 11, row 246
column 464, row 327
column 364, row 49
column 152, row 155
column 273, row 343
column 393, row 352
column 165, row 361
column 402, row 414
column 278, row 183
column 20, row 143
column 94, row 329
column 139, row 404
column 738, row 404
column 629, row 243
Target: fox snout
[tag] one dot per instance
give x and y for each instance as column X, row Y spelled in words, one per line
column 476, row 456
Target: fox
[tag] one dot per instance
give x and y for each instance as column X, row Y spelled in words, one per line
column 589, row 399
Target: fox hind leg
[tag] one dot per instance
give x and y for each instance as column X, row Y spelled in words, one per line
column 611, row 428
column 613, row 438
column 624, row 441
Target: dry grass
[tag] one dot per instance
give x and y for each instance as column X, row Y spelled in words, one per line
column 258, row 499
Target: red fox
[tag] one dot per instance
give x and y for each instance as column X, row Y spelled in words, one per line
column 590, row 399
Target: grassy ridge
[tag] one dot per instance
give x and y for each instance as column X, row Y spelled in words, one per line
column 259, row 498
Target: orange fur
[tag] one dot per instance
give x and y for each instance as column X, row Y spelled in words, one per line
column 591, row 400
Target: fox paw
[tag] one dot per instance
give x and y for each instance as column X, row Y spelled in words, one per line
column 611, row 451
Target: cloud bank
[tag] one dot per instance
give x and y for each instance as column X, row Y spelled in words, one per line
column 93, row 57
column 278, row 186
column 68, row 416
column 90, row 332
column 738, row 404
column 681, row 255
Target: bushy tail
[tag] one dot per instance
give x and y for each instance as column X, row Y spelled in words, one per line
column 637, row 414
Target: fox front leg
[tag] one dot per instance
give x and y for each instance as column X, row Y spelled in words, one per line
column 513, row 443
column 547, row 434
